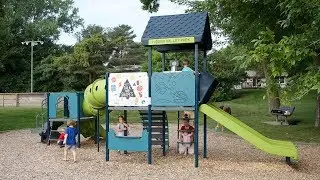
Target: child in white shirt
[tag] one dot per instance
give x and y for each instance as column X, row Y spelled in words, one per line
column 121, row 127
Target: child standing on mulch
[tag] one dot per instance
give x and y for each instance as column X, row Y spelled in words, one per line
column 70, row 140
column 186, row 137
column 227, row 109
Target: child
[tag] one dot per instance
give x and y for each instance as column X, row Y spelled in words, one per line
column 70, row 140
column 186, row 137
column 186, row 65
column 61, row 137
column 121, row 127
column 226, row 109
column 122, row 130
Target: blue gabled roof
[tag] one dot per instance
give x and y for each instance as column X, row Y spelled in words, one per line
column 182, row 25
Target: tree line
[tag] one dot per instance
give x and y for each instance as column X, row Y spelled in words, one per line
column 276, row 36
column 59, row 67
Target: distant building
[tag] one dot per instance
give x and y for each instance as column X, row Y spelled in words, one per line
column 255, row 80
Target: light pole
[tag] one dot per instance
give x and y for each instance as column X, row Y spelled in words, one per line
column 33, row 43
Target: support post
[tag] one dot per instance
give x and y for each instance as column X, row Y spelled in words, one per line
column 96, row 130
column 125, row 114
column 66, row 107
column 163, row 57
column 48, row 118
column 204, row 69
column 178, row 131
column 163, row 133
column 31, row 78
column 78, row 118
column 149, row 106
column 107, row 116
column 98, row 133
column 196, row 108
column 204, row 136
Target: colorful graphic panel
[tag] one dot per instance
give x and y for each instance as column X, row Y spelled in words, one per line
column 128, row 89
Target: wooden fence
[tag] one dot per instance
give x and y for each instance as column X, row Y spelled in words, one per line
column 21, row 99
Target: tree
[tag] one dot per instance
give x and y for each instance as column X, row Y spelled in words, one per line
column 222, row 66
column 177, row 56
column 126, row 53
column 32, row 19
column 291, row 38
column 89, row 31
column 241, row 22
column 90, row 56
column 150, row 5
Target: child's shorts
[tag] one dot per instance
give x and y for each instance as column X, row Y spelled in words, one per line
column 71, row 147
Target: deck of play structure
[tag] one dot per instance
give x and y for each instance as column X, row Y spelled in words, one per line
column 155, row 93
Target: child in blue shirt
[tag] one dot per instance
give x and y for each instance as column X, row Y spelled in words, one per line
column 186, row 66
column 70, row 140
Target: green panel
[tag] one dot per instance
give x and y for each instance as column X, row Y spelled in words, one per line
column 281, row 148
column 179, row 40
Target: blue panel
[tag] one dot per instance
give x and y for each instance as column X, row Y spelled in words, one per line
column 128, row 143
column 173, row 89
column 80, row 103
column 73, row 104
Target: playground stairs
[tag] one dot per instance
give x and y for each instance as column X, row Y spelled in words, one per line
column 159, row 127
column 41, row 122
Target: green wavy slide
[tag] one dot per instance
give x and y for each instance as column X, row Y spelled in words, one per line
column 276, row 147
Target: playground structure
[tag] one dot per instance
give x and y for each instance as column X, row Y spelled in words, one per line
column 72, row 110
column 154, row 93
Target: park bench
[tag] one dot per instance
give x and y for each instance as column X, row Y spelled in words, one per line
column 283, row 112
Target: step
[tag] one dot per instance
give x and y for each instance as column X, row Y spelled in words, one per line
column 159, row 143
column 159, row 136
column 153, row 118
column 157, row 129
column 153, row 112
column 155, row 124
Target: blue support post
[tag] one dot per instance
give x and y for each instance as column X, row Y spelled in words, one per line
column 125, row 114
column 196, row 108
column 163, row 57
column 204, row 136
column 78, row 118
column 98, row 133
column 96, row 130
column 66, row 107
column 48, row 119
column 107, row 116
column 178, row 131
column 149, row 106
column 163, row 133
column 204, row 69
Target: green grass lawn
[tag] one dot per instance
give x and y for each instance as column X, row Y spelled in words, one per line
column 250, row 108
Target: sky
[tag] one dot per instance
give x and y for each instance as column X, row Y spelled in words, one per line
column 111, row 13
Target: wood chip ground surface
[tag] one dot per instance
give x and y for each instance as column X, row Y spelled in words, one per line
column 229, row 157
